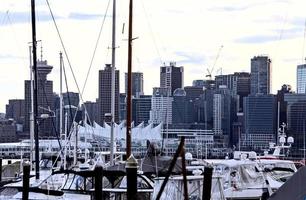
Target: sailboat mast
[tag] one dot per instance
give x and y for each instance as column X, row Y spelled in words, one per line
column 32, row 107
column 113, row 84
column 129, row 92
column 35, row 105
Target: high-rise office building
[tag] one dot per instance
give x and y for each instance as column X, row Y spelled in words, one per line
column 7, row 131
column 301, row 79
column 282, row 115
column 222, row 108
column 260, row 121
column 141, row 107
column 261, row 72
column 137, row 83
column 104, row 100
column 71, row 98
column 15, row 110
column 161, row 106
column 183, row 111
column 45, row 100
column 171, row 77
column 238, row 84
column 92, row 111
column 296, row 121
column 122, row 107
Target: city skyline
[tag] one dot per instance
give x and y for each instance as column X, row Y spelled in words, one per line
column 166, row 30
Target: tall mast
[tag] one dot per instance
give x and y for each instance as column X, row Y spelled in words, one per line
column 62, row 132
column 32, row 108
column 113, row 84
column 129, row 92
column 61, row 98
column 35, row 110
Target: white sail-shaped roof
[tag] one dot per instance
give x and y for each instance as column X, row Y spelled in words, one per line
column 139, row 133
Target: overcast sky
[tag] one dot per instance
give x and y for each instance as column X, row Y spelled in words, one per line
column 189, row 33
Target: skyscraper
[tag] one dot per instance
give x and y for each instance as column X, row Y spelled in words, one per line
column 260, row 121
column 171, row 77
column 296, row 121
column 238, row 84
column 15, row 110
column 141, row 109
column 301, row 79
column 161, row 106
column 261, row 75
column 137, row 84
column 45, row 100
column 104, row 101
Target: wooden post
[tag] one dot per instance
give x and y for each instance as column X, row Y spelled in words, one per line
column 98, row 182
column 131, row 176
column 26, row 181
column 208, row 171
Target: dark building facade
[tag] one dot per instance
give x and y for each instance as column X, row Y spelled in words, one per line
column 45, row 99
column 71, row 98
column 137, row 83
column 261, row 72
column 8, row 131
column 104, row 100
column 15, row 110
column 182, row 108
column 141, row 109
column 122, row 107
column 282, row 104
column 243, row 88
column 171, row 77
column 296, row 121
column 260, row 121
column 92, row 110
column 239, row 85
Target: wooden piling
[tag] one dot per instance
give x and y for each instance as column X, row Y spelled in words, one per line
column 98, row 182
column 26, row 181
column 208, row 171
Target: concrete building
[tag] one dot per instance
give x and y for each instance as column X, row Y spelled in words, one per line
column 238, row 84
column 104, row 99
column 15, row 110
column 301, row 79
column 260, row 121
column 141, row 107
column 8, row 131
column 137, row 84
column 171, row 77
column 261, row 72
column 161, row 106
column 45, row 100
column 296, row 121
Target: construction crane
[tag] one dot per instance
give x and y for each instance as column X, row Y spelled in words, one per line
column 209, row 72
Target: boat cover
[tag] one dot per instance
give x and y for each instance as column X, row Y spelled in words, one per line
column 294, row 188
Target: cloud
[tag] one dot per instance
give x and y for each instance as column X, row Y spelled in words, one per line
column 10, row 56
column 24, row 17
column 256, row 39
column 83, row 16
column 189, row 58
column 228, row 8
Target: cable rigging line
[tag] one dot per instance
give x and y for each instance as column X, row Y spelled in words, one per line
column 96, row 47
column 65, row 51
column 151, row 32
